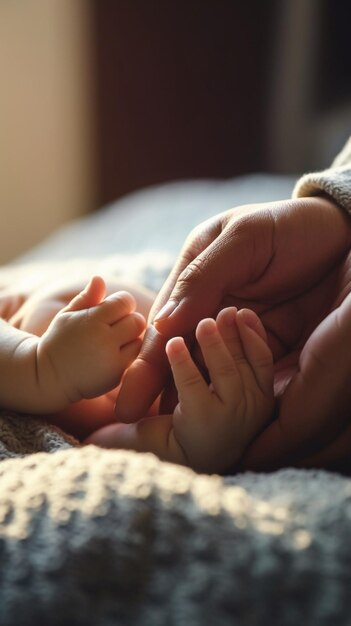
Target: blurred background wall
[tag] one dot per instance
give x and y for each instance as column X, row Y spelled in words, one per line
column 102, row 97
column 46, row 119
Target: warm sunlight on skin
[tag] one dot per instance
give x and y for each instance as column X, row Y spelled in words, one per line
column 82, row 354
column 29, row 299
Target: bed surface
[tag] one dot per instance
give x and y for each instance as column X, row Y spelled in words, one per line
column 145, row 230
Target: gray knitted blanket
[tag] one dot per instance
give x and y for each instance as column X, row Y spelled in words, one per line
column 97, row 537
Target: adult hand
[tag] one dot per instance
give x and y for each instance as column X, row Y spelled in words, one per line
column 286, row 261
column 313, row 425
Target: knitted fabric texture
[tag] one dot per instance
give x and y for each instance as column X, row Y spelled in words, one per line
column 90, row 536
column 335, row 181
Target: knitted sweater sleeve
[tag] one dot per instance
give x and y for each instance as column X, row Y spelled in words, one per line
column 334, row 181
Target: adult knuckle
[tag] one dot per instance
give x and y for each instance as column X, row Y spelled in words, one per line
column 191, row 273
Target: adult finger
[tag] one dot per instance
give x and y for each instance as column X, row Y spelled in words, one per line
column 196, row 242
column 144, row 380
column 147, row 376
column 227, row 263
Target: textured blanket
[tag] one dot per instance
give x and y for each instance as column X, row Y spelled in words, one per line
column 97, row 537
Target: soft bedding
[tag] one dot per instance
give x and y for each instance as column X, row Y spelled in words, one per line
column 90, row 536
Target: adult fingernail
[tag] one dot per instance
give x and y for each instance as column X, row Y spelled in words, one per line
column 166, row 310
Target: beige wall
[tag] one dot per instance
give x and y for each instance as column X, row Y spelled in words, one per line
column 46, row 140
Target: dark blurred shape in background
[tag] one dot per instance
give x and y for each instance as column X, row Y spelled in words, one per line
column 218, row 88
column 181, row 88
